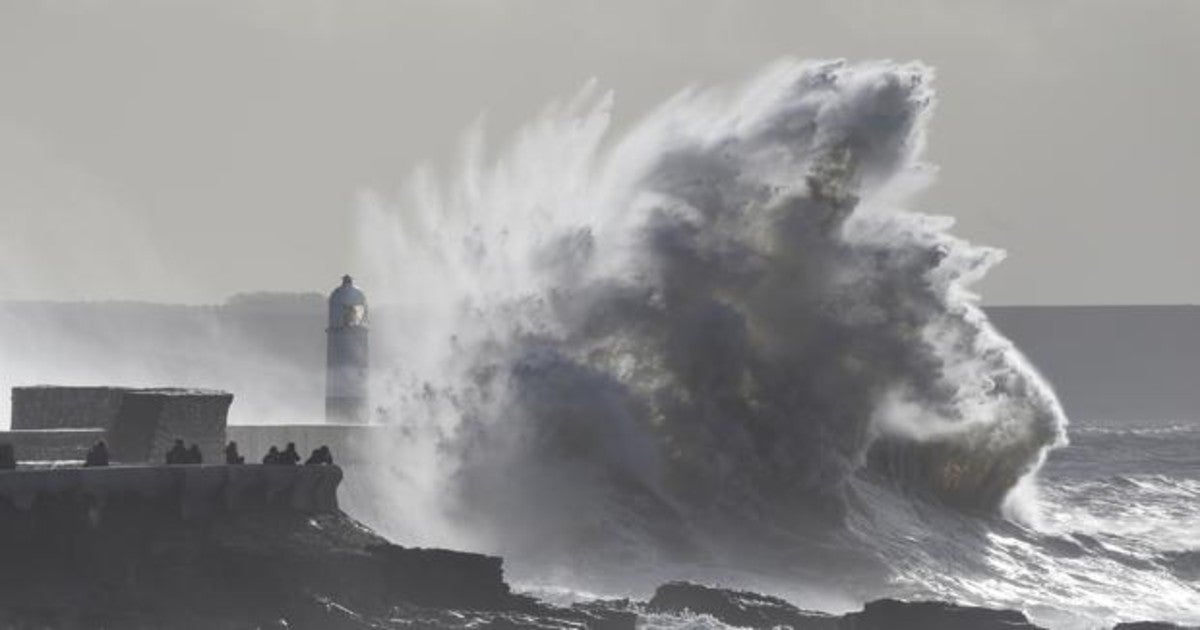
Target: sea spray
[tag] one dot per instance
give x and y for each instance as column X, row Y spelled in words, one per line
column 700, row 336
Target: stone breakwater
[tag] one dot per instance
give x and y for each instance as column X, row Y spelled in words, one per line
column 743, row 609
column 191, row 491
column 249, row 547
column 233, row 547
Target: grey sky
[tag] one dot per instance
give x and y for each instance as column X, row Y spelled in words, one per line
column 184, row 151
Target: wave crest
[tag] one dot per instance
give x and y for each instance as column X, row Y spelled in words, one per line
column 719, row 321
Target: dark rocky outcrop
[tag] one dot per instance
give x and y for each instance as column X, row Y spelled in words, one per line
column 243, row 547
column 751, row 610
column 214, row 547
column 423, row 575
column 891, row 614
column 1150, row 625
column 737, row 608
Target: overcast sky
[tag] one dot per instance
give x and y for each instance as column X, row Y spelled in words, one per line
column 184, row 151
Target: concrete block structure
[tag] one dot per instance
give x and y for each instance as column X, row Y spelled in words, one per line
column 150, row 420
column 140, row 425
column 43, row 407
column 52, row 445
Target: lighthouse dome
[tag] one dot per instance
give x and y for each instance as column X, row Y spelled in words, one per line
column 347, row 305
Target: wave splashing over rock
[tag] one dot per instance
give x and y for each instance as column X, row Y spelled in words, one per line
column 702, row 334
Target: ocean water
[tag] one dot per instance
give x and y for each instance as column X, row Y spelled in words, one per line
column 1128, row 494
column 1113, row 535
column 724, row 346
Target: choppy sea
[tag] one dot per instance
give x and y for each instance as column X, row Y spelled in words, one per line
column 1114, row 535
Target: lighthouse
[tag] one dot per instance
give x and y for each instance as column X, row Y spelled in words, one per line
column 347, row 357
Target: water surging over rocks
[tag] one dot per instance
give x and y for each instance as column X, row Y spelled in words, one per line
column 709, row 328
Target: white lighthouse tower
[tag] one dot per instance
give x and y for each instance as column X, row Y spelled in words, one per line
column 347, row 358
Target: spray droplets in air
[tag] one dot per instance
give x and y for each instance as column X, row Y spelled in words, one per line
column 723, row 318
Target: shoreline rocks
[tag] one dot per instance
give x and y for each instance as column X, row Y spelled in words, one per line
column 736, row 608
column 891, row 614
column 236, row 547
column 752, row 610
column 745, row 609
column 246, row 547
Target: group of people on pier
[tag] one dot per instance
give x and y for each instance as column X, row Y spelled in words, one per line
column 289, row 457
column 97, row 455
column 184, row 455
column 274, row 457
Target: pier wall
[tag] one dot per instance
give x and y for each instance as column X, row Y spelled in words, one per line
column 189, row 491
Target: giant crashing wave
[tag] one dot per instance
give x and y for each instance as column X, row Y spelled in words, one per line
column 709, row 329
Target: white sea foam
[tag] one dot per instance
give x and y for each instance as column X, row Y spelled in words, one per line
column 720, row 347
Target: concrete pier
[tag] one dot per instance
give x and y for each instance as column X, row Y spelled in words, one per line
column 190, row 490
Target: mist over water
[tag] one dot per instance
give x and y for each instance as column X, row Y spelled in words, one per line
column 695, row 343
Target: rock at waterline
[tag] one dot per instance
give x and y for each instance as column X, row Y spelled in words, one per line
column 1151, row 625
column 737, row 608
column 891, row 614
column 239, row 547
column 751, row 610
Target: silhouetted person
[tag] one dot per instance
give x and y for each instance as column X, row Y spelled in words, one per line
column 8, row 457
column 177, row 454
column 231, row 454
column 289, row 456
column 272, row 456
column 97, row 455
column 319, row 456
column 194, row 456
